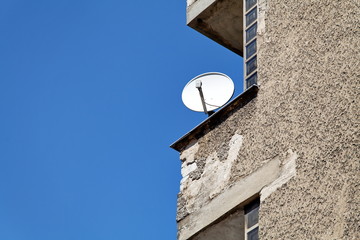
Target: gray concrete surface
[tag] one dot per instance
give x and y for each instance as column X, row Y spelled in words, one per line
column 219, row 20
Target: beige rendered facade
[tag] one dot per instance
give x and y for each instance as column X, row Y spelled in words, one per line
column 290, row 142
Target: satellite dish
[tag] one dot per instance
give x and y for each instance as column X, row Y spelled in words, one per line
column 207, row 92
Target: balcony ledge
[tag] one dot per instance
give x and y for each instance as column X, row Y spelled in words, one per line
column 219, row 20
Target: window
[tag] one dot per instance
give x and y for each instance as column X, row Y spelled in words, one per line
column 251, row 80
column 251, row 49
column 250, row 4
column 251, row 212
column 251, row 16
column 250, row 46
column 251, row 32
column 251, row 65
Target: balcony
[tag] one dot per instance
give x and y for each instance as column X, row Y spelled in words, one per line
column 219, row 20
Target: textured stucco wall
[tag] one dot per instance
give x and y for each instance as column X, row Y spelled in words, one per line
column 309, row 73
column 307, row 109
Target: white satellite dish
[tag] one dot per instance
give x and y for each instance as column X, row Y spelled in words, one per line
column 207, row 92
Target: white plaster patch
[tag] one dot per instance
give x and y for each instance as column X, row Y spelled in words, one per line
column 188, row 155
column 189, row 2
column 183, row 183
column 288, row 171
column 235, row 145
column 194, row 187
column 188, row 168
column 220, row 171
column 188, row 165
column 261, row 18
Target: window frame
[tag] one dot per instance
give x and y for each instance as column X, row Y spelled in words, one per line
column 249, row 76
column 252, row 207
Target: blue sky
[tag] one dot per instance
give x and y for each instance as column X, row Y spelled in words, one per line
column 90, row 100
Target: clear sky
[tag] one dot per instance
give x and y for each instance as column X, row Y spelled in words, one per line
column 90, row 100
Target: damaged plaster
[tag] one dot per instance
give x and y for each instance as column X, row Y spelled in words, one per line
column 213, row 179
column 288, row 171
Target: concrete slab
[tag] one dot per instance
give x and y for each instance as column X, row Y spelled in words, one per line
column 220, row 20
